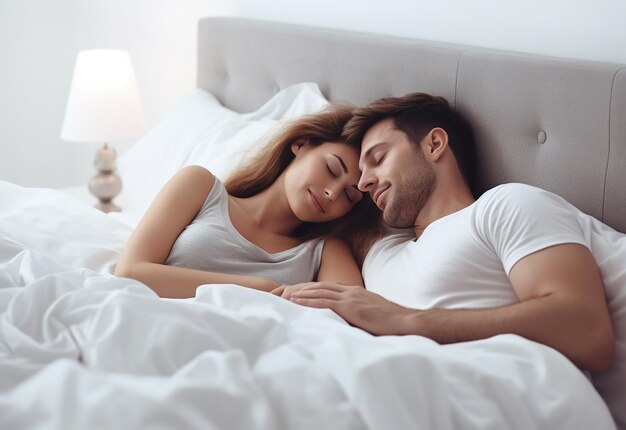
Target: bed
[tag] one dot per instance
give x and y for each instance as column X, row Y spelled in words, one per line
column 80, row 348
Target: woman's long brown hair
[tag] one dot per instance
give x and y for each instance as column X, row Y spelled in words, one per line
column 360, row 226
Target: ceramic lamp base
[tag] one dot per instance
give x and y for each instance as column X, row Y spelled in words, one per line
column 106, row 184
column 107, row 207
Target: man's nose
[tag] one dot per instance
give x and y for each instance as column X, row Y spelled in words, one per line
column 365, row 181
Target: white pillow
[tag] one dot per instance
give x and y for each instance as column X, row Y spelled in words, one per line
column 147, row 165
column 199, row 130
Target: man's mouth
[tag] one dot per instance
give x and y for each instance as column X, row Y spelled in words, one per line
column 377, row 196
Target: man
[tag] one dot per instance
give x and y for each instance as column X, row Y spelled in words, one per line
column 517, row 260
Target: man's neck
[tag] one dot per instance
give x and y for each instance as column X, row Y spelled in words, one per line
column 445, row 200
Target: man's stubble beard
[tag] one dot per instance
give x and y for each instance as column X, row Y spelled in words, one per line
column 410, row 197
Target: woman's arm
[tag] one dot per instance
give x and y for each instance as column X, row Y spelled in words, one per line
column 144, row 255
column 338, row 264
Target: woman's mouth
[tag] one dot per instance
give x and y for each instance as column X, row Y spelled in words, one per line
column 317, row 202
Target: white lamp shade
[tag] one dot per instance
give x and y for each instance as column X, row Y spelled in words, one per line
column 104, row 103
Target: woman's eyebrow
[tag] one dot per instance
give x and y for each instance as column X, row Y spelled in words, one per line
column 343, row 165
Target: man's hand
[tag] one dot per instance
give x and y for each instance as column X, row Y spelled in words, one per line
column 355, row 304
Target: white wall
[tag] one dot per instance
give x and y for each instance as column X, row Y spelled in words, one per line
column 583, row 29
column 39, row 40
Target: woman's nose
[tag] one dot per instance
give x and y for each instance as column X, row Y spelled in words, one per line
column 331, row 191
column 330, row 195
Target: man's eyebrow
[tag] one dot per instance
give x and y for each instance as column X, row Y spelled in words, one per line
column 368, row 153
column 343, row 165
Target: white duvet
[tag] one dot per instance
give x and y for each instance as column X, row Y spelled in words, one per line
column 82, row 349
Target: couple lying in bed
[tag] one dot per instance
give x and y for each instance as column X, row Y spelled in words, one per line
column 516, row 260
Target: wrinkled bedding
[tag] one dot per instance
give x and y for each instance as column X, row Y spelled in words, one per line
column 81, row 348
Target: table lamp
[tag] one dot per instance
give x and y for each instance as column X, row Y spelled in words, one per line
column 103, row 106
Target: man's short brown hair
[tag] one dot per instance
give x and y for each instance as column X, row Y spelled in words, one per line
column 416, row 114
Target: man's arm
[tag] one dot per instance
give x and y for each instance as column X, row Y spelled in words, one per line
column 562, row 305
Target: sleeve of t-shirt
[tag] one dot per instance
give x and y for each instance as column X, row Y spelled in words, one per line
column 517, row 220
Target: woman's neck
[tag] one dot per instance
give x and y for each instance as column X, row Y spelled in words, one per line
column 270, row 209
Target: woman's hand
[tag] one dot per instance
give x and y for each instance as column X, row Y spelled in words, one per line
column 291, row 291
column 287, row 291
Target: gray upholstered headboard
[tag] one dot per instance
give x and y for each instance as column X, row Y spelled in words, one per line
column 555, row 123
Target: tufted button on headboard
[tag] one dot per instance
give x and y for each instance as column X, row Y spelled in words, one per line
column 542, row 137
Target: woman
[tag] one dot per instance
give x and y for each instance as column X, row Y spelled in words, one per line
column 281, row 219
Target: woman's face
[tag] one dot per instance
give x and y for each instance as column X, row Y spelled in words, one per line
column 321, row 182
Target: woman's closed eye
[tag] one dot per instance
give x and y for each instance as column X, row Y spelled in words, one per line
column 335, row 170
column 335, row 167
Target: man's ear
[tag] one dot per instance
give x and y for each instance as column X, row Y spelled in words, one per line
column 297, row 146
column 436, row 142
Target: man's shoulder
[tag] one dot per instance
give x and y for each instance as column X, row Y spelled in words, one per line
column 521, row 201
column 516, row 194
column 512, row 189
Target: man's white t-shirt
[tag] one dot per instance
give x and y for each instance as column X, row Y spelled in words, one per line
column 462, row 261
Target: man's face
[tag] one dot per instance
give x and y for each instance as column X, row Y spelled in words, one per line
column 396, row 174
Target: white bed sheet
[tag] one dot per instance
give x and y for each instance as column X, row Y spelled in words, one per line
column 80, row 348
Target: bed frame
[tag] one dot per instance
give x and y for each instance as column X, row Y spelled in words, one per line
column 555, row 123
